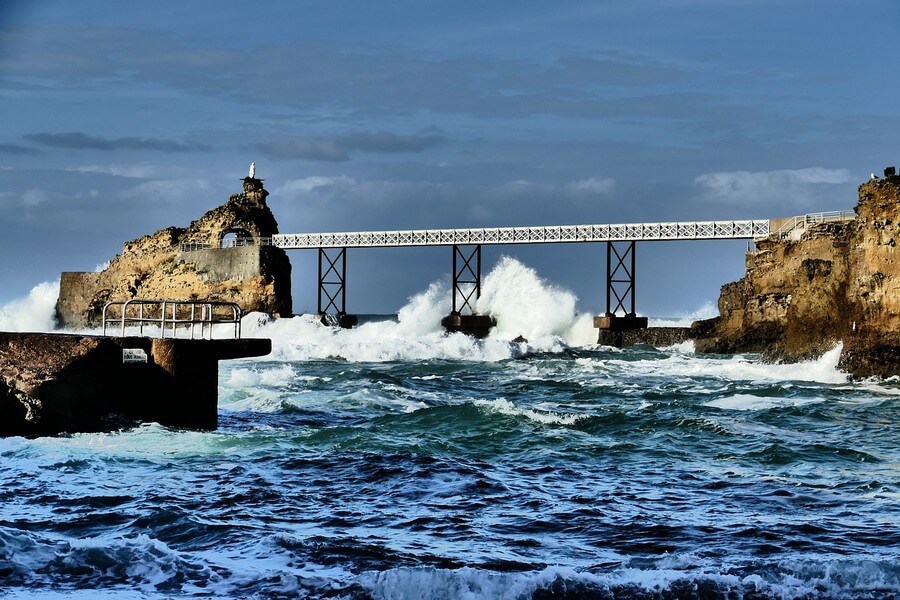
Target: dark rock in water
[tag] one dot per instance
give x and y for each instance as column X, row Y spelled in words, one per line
column 53, row 383
column 658, row 337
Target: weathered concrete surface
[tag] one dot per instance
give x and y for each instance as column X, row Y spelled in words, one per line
column 478, row 326
column 256, row 278
column 840, row 282
column 53, row 383
column 620, row 323
column 657, row 337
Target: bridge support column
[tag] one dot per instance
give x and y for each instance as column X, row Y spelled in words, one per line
column 466, row 291
column 333, row 288
column 620, row 294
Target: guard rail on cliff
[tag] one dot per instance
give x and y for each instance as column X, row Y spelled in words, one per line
column 226, row 243
column 794, row 226
column 172, row 316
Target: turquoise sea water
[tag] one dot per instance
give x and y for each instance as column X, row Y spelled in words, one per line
column 394, row 462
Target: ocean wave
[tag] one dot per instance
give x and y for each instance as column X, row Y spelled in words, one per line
column 35, row 312
column 545, row 417
column 832, row 579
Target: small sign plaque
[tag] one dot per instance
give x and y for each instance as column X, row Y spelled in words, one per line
column 134, row 355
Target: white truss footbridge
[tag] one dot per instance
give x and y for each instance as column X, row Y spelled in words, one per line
column 631, row 232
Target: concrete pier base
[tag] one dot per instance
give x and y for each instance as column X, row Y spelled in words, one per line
column 478, row 326
column 343, row 321
column 612, row 327
column 54, row 383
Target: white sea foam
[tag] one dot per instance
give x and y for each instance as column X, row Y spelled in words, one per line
column 835, row 579
column 752, row 402
column 523, row 304
column 505, row 407
column 733, row 368
column 707, row 311
column 34, row 312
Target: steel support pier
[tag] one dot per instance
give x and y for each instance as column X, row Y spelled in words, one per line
column 333, row 288
column 466, row 291
column 620, row 295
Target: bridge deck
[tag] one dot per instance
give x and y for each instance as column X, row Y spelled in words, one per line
column 684, row 230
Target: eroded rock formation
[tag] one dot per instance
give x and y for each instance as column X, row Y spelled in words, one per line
column 189, row 264
column 840, row 282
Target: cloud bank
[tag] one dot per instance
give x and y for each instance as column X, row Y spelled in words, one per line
column 784, row 187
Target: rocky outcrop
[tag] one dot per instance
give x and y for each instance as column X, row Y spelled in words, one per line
column 190, row 264
column 839, row 282
column 52, row 383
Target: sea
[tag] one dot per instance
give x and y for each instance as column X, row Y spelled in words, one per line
column 393, row 461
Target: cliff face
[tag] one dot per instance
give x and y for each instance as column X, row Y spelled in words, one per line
column 839, row 282
column 256, row 277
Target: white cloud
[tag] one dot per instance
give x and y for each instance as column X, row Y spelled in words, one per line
column 142, row 170
column 314, row 182
column 35, row 197
column 786, row 187
column 168, row 190
column 592, row 185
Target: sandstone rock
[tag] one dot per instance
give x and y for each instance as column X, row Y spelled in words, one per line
column 257, row 277
column 839, row 282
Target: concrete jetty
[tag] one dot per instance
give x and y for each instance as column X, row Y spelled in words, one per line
column 53, row 383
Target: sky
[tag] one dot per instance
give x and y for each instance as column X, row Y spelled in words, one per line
column 121, row 118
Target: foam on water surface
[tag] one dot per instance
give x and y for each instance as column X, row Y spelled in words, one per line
column 395, row 461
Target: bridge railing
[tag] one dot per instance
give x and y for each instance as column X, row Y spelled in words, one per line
column 196, row 319
column 528, row 235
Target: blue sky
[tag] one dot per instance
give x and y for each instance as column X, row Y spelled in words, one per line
column 123, row 118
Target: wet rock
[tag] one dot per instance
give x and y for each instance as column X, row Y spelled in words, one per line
column 840, row 282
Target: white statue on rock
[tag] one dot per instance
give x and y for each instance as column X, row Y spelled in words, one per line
column 252, row 170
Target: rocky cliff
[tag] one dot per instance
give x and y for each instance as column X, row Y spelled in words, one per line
column 839, row 282
column 190, row 263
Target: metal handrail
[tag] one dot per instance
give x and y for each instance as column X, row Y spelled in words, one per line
column 232, row 243
column 166, row 316
column 804, row 221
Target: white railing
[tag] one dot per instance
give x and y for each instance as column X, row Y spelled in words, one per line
column 800, row 223
column 528, row 235
column 172, row 316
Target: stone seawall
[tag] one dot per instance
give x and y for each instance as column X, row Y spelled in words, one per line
column 657, row 337
column 53, row 383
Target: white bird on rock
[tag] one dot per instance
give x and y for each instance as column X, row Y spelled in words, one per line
column 252, row 170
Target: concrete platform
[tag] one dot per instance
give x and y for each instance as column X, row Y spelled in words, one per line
column 478, row 326
column 52, row 383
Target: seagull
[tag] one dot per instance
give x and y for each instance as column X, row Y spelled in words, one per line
column 253, row 171
column 871, row 176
